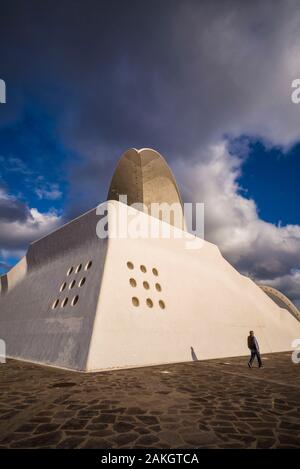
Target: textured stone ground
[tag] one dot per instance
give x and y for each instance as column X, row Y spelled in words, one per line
column 209, row 404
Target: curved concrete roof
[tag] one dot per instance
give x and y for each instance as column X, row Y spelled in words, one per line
column 145, row 177
column 281, row 300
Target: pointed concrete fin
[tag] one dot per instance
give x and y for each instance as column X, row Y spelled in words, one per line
column 145, row 178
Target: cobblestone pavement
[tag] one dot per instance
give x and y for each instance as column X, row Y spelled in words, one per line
column 204, row 404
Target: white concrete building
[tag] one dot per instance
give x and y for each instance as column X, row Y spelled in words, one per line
column 84, row 303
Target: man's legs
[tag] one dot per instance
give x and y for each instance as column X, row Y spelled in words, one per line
column 259, row 359
column 253, row 353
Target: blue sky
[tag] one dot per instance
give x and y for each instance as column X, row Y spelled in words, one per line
column 87, row 80
column 33, row 159
column 271, row 177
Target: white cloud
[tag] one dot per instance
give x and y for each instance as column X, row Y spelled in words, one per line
column 49, row 192
column 22, row 224
column 17, row 234
column 244, row 59
column 13, row 164
column 256, row 247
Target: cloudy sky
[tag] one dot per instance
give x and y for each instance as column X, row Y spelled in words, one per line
column 206, row 83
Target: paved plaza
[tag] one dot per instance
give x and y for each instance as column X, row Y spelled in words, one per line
column 201, row 404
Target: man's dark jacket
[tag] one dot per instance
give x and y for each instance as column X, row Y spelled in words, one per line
column 252, row 343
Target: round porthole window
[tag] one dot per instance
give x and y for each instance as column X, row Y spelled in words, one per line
column 155, row 271
column 81, row 282
column 143, row 269
column 158, row 287
column 75, row 300
column 132, row 282
column 55, row 304
column 64, row 302
column 135, row 301
column 161, row 304
column 149, row 303
column 146, row 285
column 130, row 265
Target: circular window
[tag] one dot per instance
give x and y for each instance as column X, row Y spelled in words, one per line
column 81, row 282
column 161, row 304
column 78, row 268
column 146, row 285
column 135, row 301
column 132, row 282
column 88, row 265
column 64, row 302
column 158, row 287
column 55, row 304
column 72, row 285
column 63, row 286
column 70, row 271
column 130, row 265
column 143, row 269
column 149, row 302
column 155, row 271
column 75, row 300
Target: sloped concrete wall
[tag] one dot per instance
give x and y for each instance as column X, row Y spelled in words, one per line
column 209, row 307
column 31, row 326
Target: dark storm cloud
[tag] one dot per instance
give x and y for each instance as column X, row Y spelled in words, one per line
column 173, row 75
column 13, row 210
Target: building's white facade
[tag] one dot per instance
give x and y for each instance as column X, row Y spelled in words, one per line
column 84, row 303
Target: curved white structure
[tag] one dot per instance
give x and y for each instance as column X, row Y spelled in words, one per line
column 281, row 300
column 145, row 178
column 89, row 304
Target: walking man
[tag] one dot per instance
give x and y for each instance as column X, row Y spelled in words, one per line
column 254, row 348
